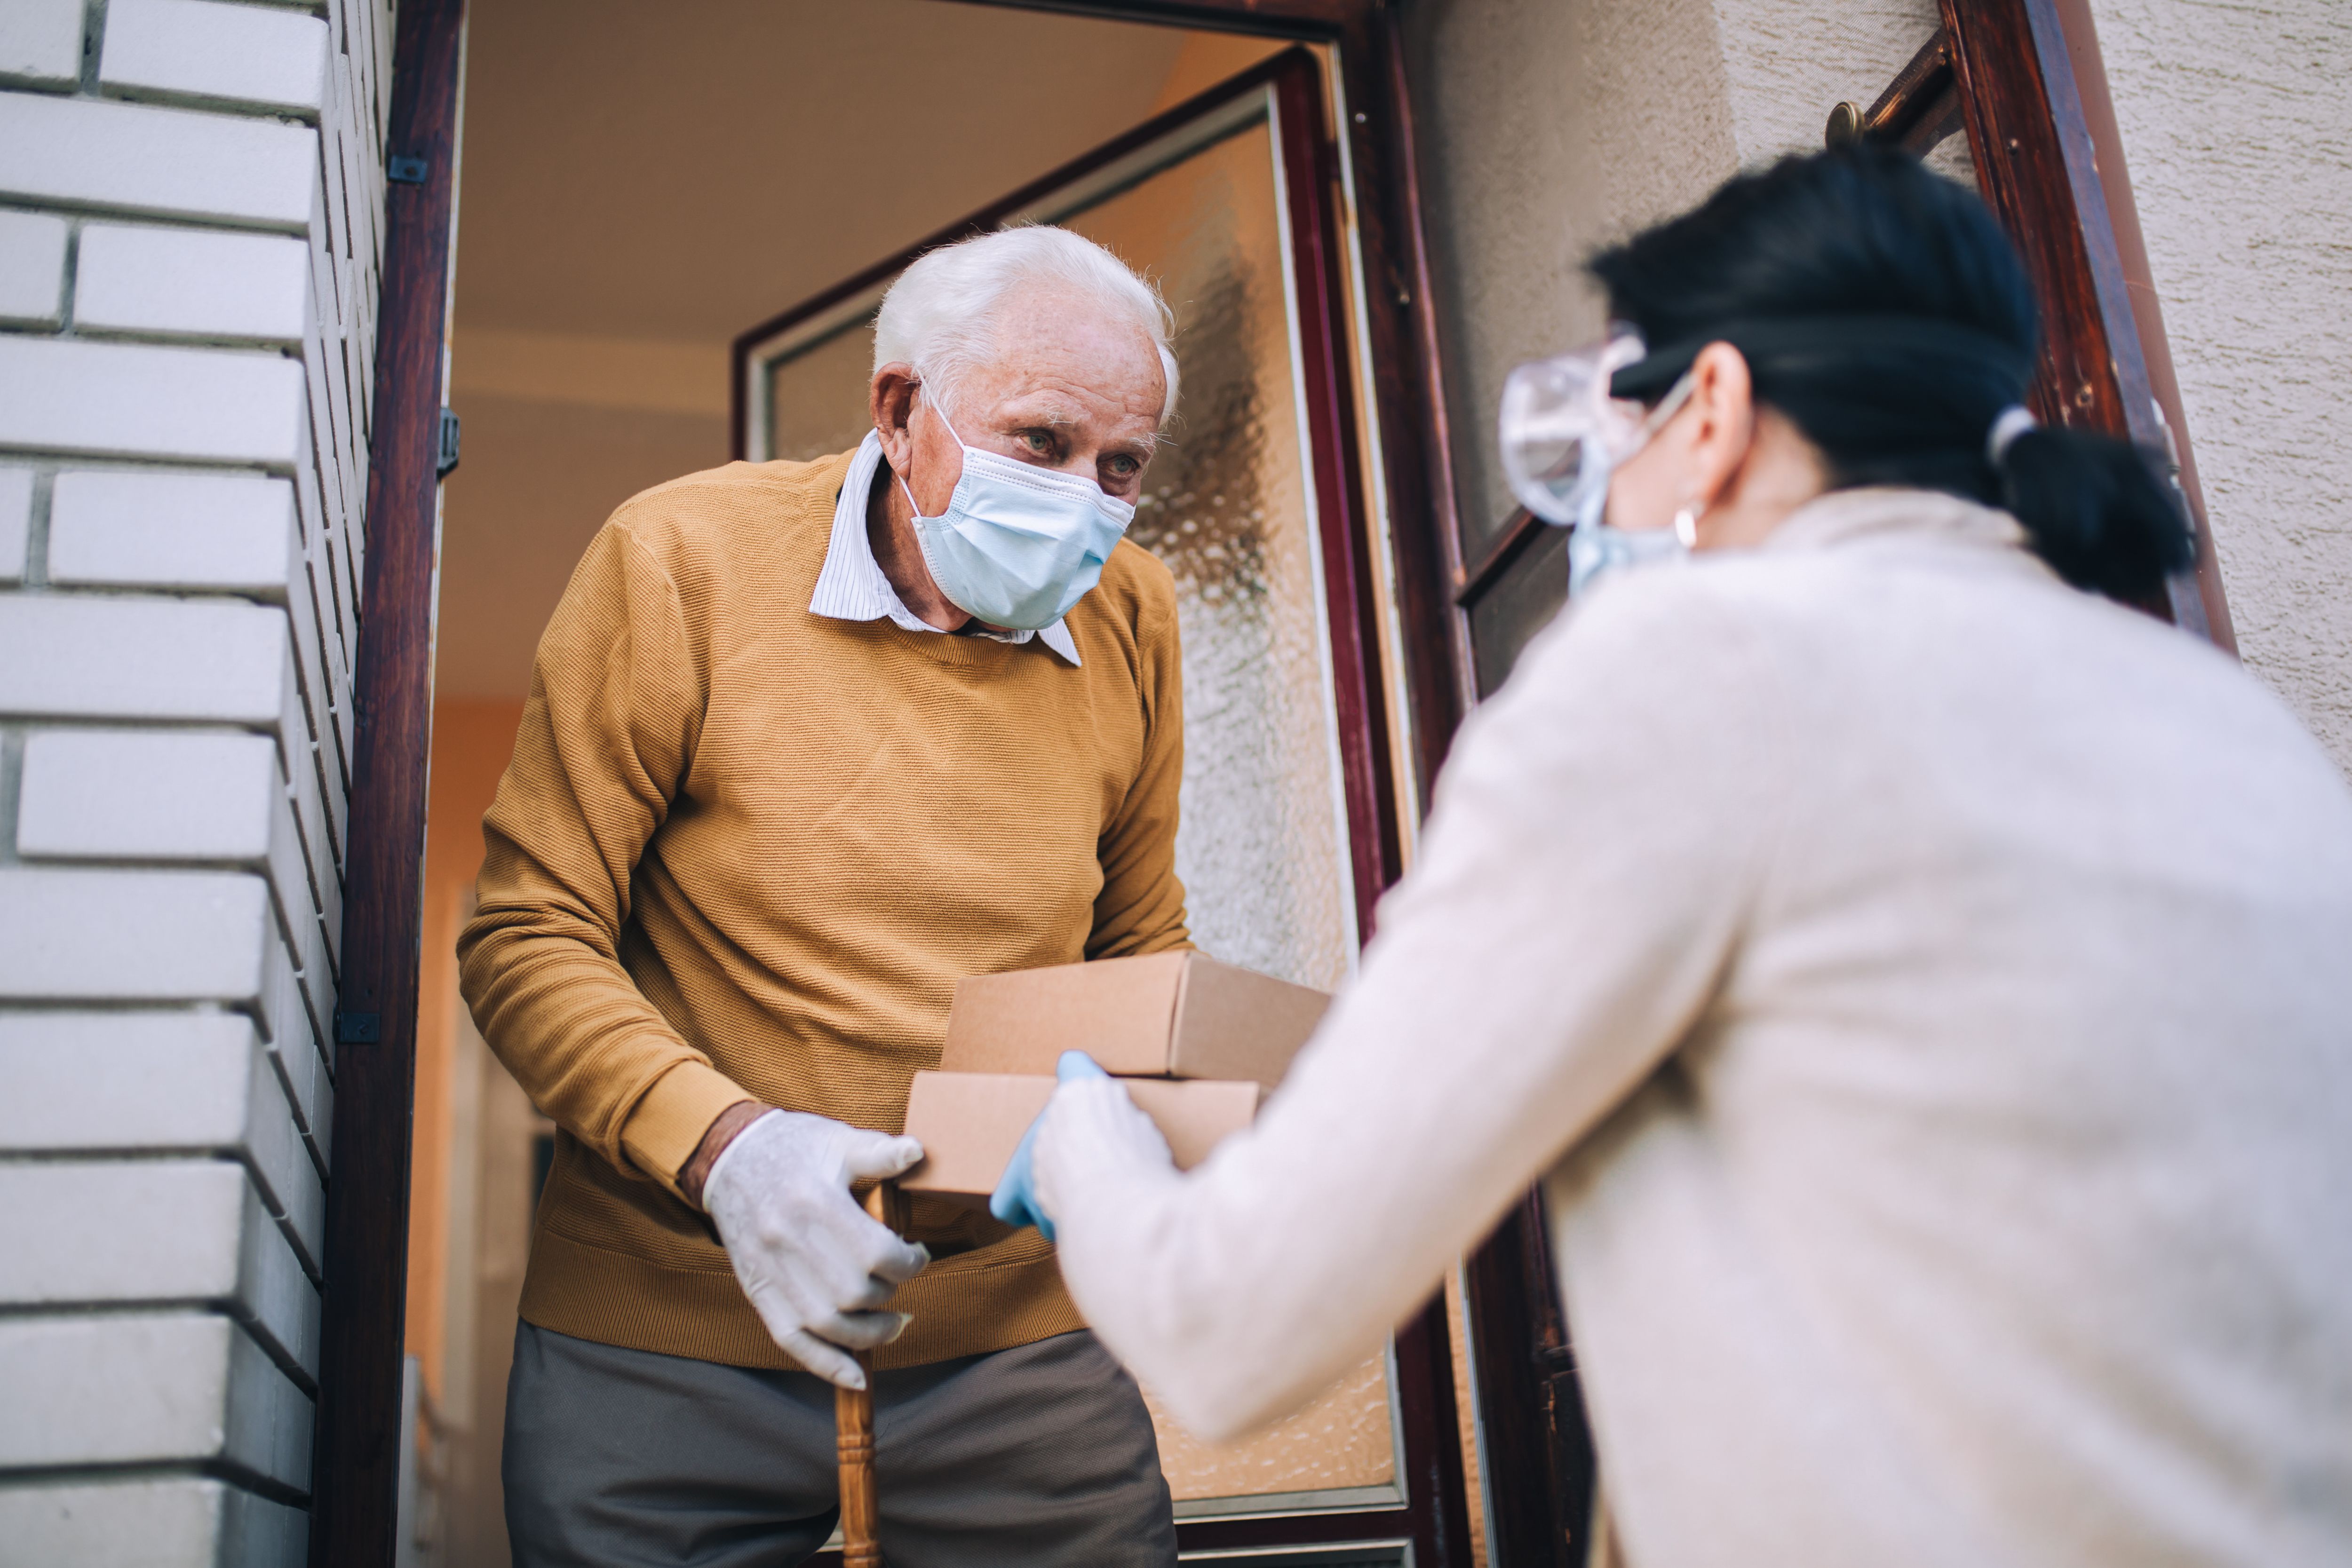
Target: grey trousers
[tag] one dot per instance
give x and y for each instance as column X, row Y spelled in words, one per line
column 1039, row 1455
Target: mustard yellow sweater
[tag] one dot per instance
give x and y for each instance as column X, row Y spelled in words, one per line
column 745, row 852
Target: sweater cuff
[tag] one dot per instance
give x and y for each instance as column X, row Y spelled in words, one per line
column 666, row 1125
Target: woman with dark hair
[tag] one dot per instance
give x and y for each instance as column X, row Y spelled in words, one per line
column 1923, row 988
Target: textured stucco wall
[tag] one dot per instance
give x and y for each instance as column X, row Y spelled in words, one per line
column 1548, row 129
column 1551, row 129
column 2238, row 137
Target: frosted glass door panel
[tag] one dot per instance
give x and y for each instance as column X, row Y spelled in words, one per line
column 1225, row 504
column 1263, row 844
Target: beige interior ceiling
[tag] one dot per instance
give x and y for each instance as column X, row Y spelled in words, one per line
column 643, row 181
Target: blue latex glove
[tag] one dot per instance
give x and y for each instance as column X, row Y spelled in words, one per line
column 1015, row 1201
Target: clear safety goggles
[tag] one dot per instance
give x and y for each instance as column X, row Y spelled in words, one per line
column 1563, row 432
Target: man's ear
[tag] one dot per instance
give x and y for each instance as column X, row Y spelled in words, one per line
column 891, row 399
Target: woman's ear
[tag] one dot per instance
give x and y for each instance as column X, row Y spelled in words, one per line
column 891, row 399
column 1722, row 414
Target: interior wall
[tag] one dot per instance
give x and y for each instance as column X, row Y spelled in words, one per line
column 472, row 738
column 2238, row 136
column 611, row 246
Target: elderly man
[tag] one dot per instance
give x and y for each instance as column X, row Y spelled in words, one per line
column 807, row 742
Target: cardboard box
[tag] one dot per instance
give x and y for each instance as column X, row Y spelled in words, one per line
column 1165, row 1015
column 970, row 1123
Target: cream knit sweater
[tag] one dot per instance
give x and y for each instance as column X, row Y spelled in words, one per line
column 1925, row 993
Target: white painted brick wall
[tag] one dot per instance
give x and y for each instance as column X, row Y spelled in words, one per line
column 167, row 1082
column 15, row 521
column 146, row 936
column 32, row 268
column 204, row 937
column 198, row 282
column 191, row 239
column 142, row 159
column 145, row 1231
column 41, row 39
column 145, row 795
column 226, row 533
column 214, row 661
column 70, row 394
column 182, row 1522
column 182, row 1387
column 274, row 58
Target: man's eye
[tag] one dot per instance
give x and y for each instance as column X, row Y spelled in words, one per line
column 1124, row 468
column 1038, row 441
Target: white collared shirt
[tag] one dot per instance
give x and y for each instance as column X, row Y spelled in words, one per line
column 852, row 586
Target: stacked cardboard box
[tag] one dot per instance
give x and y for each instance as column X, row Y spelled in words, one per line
column 1200, row 1042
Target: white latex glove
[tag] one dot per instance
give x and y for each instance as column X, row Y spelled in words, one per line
column 815, row 1265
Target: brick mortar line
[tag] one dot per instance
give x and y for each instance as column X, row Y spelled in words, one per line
column 269, row 597
column 63, row 206
column 234, row 1477
column 69, row 283
column 179, row 1006
column 93, row 45
column 101, row 211
column 71, row 331
column 37, row 533
column 46, row 721
column 63, row 458
column 210, row 103
column 11, row 785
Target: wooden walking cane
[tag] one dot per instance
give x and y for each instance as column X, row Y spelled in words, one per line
column 852, row 1417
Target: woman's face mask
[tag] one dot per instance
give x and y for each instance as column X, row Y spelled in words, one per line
column 1018, row 545
column 1563, row 434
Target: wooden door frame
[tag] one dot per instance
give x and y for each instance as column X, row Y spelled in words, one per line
column 356, row 1460
column 355, row 1447
column 2040, row 125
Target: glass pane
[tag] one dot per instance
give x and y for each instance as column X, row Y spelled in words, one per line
column 1518, row 605
column 816, row 399
column 1263, row 843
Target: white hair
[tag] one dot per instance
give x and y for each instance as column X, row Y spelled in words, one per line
column 940, row 315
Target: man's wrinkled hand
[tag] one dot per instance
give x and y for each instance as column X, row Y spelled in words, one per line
column 815, row 1265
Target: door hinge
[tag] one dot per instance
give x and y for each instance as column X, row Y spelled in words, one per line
column 446, row 459
column 358, row 1029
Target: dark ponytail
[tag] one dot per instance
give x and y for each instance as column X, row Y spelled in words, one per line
column 1881, row 310
column 2096, row 512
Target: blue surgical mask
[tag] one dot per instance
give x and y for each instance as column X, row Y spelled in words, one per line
column 1596, row 548
column 1018, row 544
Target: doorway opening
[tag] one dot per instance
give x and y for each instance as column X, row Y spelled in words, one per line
column 674, row 226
